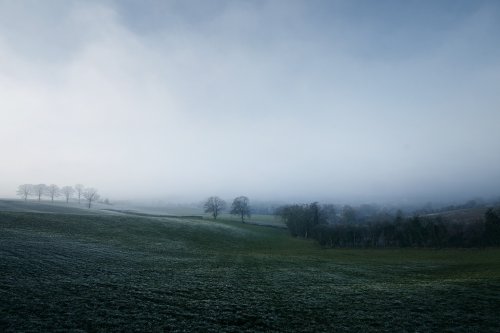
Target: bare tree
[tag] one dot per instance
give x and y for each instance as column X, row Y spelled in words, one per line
column 90, row 194
column 53, row 191
column 241, row 207
column 214, row 205
column 39, row 190
column 25, row 191
column 79, row 191
column 68, row 192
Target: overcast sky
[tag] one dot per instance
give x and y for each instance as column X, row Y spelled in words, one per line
column 287, row 100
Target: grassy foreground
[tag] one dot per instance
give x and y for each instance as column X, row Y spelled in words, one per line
column 108, row 273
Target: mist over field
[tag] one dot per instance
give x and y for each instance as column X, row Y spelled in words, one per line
column 249, row 166
column 345, row 101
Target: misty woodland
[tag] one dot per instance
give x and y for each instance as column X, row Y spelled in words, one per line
column 384, row 230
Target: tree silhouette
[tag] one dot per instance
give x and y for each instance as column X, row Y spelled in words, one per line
column 39, row 190
column 241, row 207
column 90, row 194
column 68, row 192
column 24, row 191
column 214, row 205
column 79, row 191
column 53, row 191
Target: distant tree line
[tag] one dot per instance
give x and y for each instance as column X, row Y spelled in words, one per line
column 316, row 222
column 240, row 207
column 89, row 194
column 474, row 203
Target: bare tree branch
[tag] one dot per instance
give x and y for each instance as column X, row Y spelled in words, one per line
column 53, row 191
column 90, row 194
column 79, row 191
column 214, row 205
column 68, row 192
column 241, row 207
column 39, row 190
column 25, row 191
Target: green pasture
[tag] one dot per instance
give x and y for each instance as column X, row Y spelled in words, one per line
column 70, row 272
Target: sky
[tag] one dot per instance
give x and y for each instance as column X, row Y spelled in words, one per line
column 342, row 101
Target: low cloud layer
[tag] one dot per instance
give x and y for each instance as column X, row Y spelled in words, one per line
column 289, row 100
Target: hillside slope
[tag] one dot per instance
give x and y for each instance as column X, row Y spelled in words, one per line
column 109, row 273
column 58, row 207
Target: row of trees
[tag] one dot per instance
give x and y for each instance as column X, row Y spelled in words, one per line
column 240, row 206
column 336, row 214
column 302, row 220
column 53, row 191
column 311, row 221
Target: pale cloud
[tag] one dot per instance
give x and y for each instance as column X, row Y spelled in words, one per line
column 249, row 98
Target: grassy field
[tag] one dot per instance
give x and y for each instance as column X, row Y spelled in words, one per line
column 267, row 220
column 49, row 207
column 68, row 272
